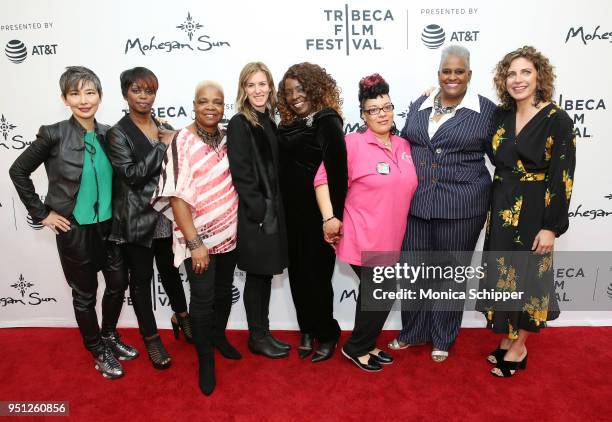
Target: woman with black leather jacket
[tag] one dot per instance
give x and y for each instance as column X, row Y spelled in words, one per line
column 78, row 210
column 138, row 143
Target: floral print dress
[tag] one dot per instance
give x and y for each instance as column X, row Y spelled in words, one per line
column 531, row 191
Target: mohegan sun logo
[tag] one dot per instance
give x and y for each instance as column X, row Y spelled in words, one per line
column 5, row 127
column 189, row 26
column 196, row 43
column 22, row 285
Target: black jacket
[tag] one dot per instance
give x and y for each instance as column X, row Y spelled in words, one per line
column 60, row 147
column 252, row 152
column 137, row 164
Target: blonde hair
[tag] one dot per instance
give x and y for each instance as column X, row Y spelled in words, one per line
column 206, row 84
column 242, row 100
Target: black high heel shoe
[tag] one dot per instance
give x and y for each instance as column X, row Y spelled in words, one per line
column 509, row 368
column 496, row 355
column 324, row 352
column 182, row 323
column 305, row 347
column 159, row 356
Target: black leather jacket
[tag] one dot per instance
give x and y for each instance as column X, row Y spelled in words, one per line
column 137, row 165
column 60, row 147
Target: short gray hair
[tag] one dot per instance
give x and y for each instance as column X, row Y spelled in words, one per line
column 75, row 76
column 207, row 84
column 455, row 50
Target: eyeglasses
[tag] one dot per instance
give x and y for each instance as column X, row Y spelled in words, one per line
column 376, row 110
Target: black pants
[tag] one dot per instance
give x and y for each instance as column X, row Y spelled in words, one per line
column 256, row 297
column 313, row 294
column 83, row 251
column 369, row 322
column 139, row 261
column 211, row 296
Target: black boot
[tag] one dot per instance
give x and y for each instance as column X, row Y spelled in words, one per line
column 202, row 337
column 265, row 346
column 223, row 307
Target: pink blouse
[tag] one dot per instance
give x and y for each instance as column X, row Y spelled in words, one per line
column 381, row 184
column 199, row 175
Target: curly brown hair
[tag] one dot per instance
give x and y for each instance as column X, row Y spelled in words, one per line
column 320, row 88
column 545, row 76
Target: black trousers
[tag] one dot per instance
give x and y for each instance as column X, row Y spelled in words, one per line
column 313, row 294
column 139, row 261
column 369, row 318
column 256, row 297
column 211, row 299
column 83, row 251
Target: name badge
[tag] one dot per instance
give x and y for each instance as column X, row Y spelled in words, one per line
column 383, row 168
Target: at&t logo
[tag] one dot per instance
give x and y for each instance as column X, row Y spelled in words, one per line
column 16, row 51
column 433, row 36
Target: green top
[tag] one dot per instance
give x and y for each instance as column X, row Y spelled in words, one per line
column 96, row 184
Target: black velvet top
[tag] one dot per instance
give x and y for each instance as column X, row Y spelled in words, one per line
column 304, row 145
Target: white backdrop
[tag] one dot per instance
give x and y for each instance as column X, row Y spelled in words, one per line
column 184, row 42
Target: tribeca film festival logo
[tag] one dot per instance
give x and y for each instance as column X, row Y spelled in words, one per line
column 178, row 111
column 16, row 51
column 190, row 27
column 7, row 139
column 577, row 108
column 28, row 295
column 353, row 30
column 586, row 37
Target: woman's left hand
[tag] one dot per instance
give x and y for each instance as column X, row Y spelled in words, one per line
column 544, row 242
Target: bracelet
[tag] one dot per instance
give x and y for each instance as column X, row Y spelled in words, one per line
column 325, row 220
column 194, row 243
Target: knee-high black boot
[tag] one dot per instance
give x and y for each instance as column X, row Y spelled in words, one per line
column 202, row 337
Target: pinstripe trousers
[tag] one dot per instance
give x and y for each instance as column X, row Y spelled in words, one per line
column 431, row 320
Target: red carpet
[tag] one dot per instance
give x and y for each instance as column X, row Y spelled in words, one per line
column 569, row 377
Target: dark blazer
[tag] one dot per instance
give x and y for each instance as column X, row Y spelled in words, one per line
column 252, row 152
column 60, row 147
column 137, row 164
column 453, row 179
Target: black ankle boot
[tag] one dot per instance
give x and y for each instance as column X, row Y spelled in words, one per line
column 265, row 346
column 225, row 348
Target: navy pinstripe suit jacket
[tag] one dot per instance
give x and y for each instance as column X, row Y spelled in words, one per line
column 453, row 179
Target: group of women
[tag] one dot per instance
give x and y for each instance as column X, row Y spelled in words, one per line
column 264, row 198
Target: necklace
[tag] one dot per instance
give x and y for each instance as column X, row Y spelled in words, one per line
column 211, row 139
column 309, row 119
column 440, row 109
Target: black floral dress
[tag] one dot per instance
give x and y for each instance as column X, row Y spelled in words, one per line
column 531, row 191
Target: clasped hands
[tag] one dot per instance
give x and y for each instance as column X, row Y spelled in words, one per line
column 332, row 231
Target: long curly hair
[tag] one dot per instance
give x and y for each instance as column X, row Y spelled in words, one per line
column 545, row 76
column 320, row 88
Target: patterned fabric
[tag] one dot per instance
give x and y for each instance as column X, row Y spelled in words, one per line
column 453, row 180
column 532, row 187
column 163, row 227
column 200, row 176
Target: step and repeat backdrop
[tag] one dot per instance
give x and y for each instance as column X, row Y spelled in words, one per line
column 184, row 42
